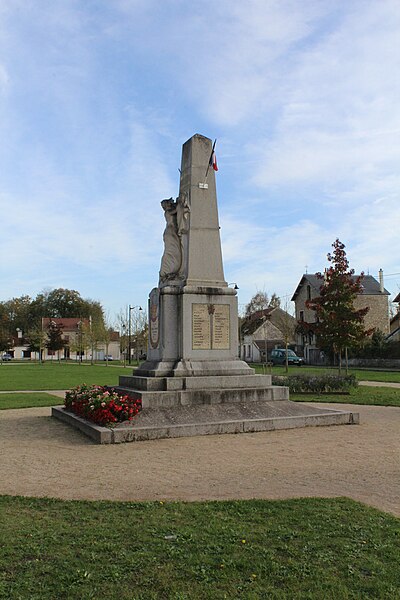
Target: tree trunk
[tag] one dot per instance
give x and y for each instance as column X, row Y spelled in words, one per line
column 286, row 357
column 347, row 360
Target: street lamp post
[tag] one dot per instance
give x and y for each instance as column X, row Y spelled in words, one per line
column 236, row 287
column 79, row 326
column 131, row 308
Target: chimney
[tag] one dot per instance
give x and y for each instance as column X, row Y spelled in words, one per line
column 382, row 288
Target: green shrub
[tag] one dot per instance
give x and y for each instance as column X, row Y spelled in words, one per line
column 320, row 384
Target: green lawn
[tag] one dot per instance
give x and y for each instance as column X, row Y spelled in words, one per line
column 29, row 400
column 293, row 549
column 55, row 376
column 380, row 396
column 361, row 374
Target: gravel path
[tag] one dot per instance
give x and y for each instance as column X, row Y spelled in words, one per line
column 379, row 384
column 44, row 457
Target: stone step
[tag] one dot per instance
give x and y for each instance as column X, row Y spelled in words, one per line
column 195, row 383
column 155, row 399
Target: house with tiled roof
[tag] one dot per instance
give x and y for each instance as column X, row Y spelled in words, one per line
column 75, row 333
column 394, row 335
column 373, row 295
column 264, row 330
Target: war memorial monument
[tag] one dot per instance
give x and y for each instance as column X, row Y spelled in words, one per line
column 193, row 382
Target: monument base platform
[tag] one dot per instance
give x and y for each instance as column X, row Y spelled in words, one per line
column 164, row 392
column 193, row 368
column 184, row 421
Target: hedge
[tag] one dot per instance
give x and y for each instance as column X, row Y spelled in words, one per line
column 320, row 384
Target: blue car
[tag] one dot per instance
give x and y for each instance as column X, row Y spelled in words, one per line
column 278, row 357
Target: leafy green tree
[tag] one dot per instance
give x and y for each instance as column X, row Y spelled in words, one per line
column 26, row 314
column 17, row 313
column 338, row 325
column 37, row 340
column 64, row 303
column 5, row 340
column 55, row 342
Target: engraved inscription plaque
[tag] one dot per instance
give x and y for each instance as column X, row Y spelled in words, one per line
column 154, row 318
column 201, row 327
column 221, row 327
column 210, row 326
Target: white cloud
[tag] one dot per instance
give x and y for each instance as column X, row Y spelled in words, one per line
column 341, row 118
column 272, row 258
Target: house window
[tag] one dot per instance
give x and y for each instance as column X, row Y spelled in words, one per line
column 248, row 350
column 302, row 315
column 309, row 292
column 51, row 352
column 26, row 354
column 310, row 338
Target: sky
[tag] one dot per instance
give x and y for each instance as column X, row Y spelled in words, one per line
column 98, row 96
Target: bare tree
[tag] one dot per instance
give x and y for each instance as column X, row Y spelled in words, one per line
column 286, row 323
column 122, row 324
column 105, row 332
column 261, row 301
column 138, row 331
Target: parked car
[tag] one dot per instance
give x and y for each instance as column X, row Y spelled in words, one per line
column 108, row 357
column 278, row 357
column 6, row 356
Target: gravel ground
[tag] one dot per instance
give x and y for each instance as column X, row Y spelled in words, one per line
column 41, row 456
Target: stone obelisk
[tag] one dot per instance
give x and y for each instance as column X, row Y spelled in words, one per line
column 193, row 317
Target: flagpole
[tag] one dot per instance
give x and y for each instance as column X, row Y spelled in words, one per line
column 212, row 152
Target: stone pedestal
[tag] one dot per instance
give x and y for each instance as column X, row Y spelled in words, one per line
column 193, row 331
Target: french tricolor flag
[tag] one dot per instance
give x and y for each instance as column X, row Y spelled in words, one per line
column 213, row 161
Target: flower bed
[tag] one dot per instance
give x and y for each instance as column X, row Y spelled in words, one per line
column 321, row 384
column 101, row 404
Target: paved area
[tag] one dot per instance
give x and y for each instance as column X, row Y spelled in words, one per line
column 44, row 457
column 380, row 384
